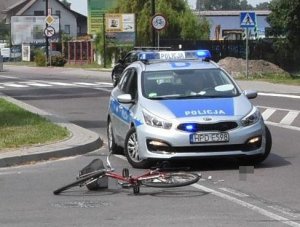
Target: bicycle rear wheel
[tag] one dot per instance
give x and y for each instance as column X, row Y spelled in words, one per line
column 169, row 180
column 80, row 181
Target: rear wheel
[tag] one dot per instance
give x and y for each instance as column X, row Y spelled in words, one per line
column 132, row 150
column 169, row 180
column 114, row 78
column 112, row 146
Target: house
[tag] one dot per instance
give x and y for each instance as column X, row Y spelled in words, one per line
column 70, row 22
column 227, row 25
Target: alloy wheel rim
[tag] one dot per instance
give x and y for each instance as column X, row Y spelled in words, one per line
column 133, row 148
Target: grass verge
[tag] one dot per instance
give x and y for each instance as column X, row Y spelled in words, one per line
column 21, row 128
column 293, row 79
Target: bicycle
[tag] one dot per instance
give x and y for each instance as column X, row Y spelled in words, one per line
column 157, row 178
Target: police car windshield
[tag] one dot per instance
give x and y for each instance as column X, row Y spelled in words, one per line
column 191, row 83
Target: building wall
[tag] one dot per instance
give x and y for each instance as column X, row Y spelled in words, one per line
column 66, row 17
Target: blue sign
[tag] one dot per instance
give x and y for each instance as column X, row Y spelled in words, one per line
column 248, row 19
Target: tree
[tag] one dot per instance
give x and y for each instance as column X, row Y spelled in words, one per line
column 66, row 3
column 182, row 23
column 219, row 4
column 263, row 6
column 284, row 20
column 245, row 6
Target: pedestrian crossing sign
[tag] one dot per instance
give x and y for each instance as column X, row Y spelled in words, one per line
column 248, row 19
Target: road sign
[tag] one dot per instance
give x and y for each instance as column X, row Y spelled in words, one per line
column 49, row 20
column 158, row 22
column 49, row 31
column 248, row 19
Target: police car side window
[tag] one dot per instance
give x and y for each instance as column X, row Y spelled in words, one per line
column 124, row 80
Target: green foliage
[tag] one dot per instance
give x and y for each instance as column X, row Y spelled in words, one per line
column 219, row 4
column 58, row 61
column 285, row 25
column 39, row 58
column 182, row 23
column 4, row 31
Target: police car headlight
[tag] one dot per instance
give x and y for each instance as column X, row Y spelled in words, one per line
column 251, row 118
column 155, row 121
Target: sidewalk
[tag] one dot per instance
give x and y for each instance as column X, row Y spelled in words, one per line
column 83, row 140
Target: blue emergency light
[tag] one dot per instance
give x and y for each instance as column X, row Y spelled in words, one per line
column 174, row 55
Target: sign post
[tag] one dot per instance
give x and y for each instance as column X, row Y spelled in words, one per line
column 158, row 22
column 248, row 20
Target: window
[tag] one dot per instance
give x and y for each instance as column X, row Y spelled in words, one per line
column 38, row 13
column 57, row 13
column 67, row 29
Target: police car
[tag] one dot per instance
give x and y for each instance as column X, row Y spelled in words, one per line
column 180, row 104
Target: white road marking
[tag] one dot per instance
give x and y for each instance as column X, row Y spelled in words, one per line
column 85, row 84
column 1, row 87
column 9, row 77
column 234, row 192
column 267, row 107
column 248, row 205
column 14, row 85
column 280, row 95
column 283, row 126
column 104, row 83
column 267, row 113
column 36, row 84
column 60, row 83
column 103, row 89
column 289, row 118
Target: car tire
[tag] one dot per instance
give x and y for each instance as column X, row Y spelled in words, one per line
column 112, row 145
column 260, row 158
column 114, row 78
column 132, row 151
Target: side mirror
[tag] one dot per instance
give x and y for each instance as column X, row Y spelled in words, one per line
column 120, row 61
column 125, row 98
column 250, row 94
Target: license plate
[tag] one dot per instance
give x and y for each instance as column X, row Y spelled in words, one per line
column 209, row 137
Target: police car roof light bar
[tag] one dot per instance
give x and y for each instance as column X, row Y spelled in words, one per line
column 175, row 55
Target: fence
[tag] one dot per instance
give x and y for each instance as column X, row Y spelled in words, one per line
column 258, row 49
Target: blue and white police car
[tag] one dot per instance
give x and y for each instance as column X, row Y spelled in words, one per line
column 180, row 104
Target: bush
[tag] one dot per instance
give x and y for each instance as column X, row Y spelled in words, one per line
column 39, row 58
column 58, row 61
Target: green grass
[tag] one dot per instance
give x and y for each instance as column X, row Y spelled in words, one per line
column 293, row 79
column 20, row 128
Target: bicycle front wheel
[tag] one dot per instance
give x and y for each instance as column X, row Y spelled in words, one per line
column 169, row 180
column 80, row 181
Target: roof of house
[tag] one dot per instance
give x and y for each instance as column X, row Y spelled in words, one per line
column 7, row 5
column 231, row 12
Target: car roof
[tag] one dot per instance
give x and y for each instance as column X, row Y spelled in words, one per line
column 175, row 65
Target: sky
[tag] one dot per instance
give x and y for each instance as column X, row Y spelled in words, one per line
column 80, row 6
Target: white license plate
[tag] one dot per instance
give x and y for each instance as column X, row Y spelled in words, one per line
column 209, row 137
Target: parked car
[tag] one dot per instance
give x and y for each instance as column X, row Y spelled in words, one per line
column 179, row 104
column 130, row 57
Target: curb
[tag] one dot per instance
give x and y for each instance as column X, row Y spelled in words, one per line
column 81, row 141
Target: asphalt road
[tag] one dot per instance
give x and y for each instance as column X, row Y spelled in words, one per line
column 268, row 197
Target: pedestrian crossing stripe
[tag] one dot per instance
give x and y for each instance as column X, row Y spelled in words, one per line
column 248, row 19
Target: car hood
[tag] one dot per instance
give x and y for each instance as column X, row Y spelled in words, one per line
column 189, row 108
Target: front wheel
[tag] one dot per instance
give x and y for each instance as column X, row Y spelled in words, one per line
column 169, row 180
column 81, row 181
column 132, row 150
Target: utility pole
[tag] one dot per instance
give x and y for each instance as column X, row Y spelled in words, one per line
column 152, row 14
column 47, row 40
